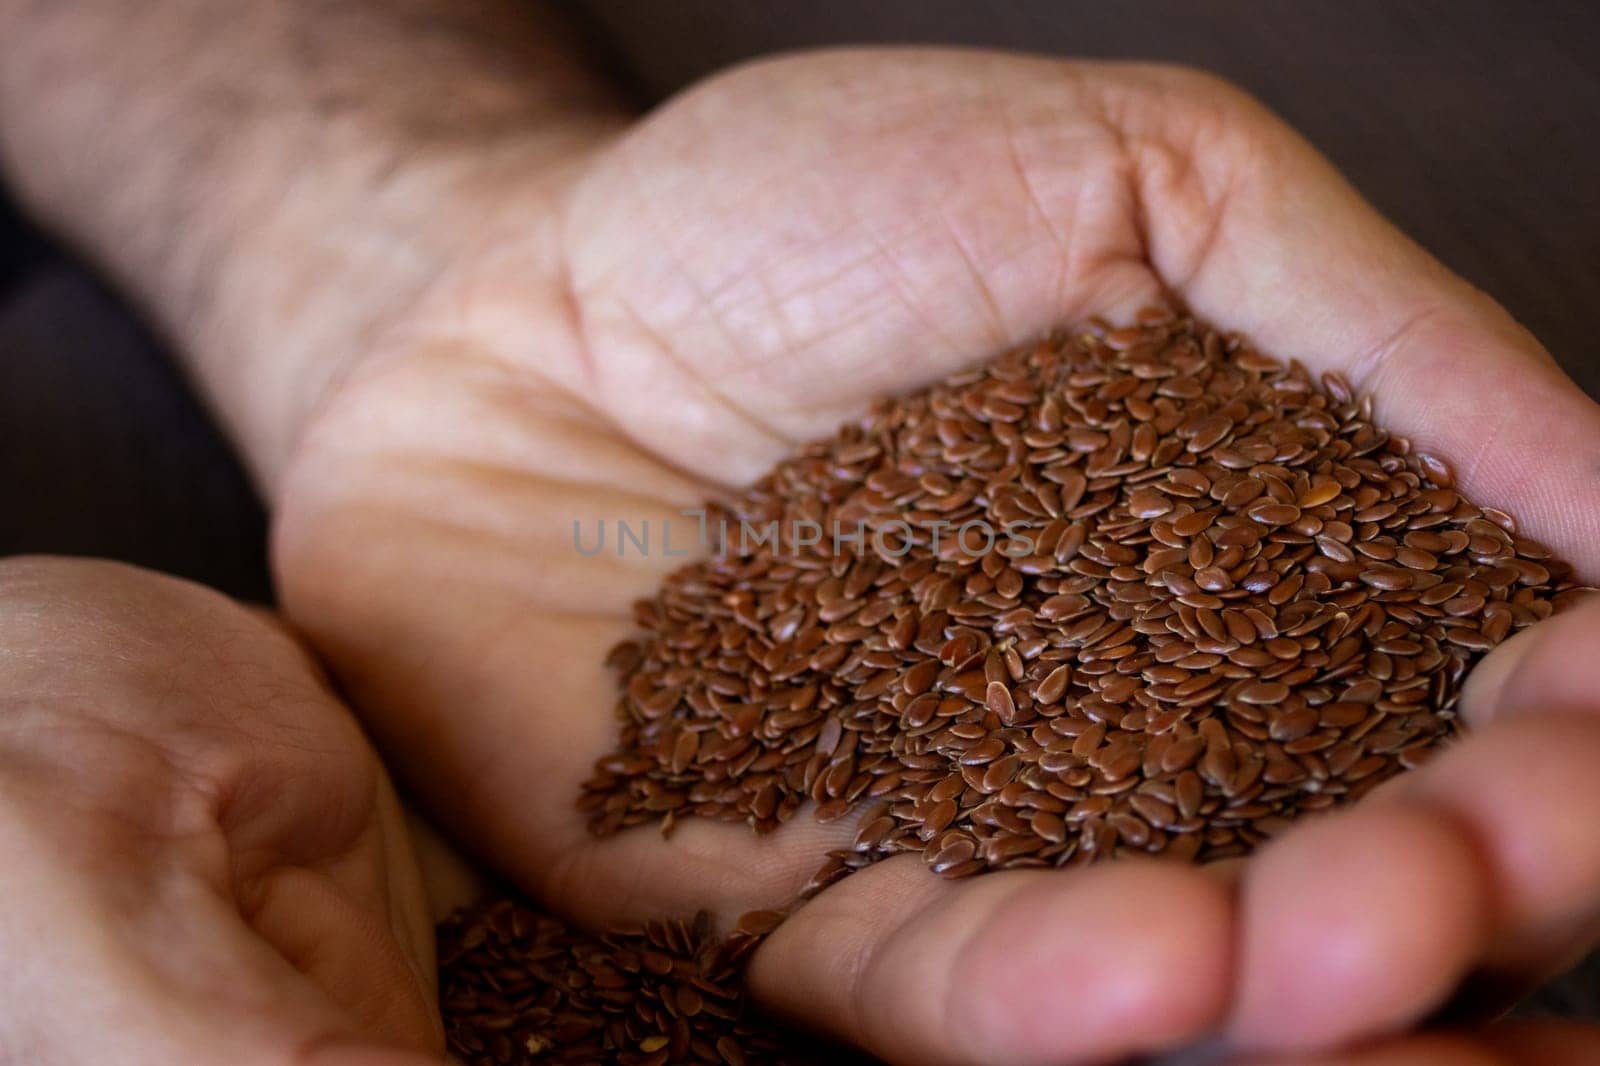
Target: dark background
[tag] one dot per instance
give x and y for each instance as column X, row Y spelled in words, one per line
column 1472, row 123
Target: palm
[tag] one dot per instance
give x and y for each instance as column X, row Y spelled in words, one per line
column 741, row 272
column 786, row 278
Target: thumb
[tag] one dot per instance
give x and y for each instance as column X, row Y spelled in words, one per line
column 1299, row 262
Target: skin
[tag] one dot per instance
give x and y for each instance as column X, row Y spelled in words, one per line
column 496, row 304
column 204, row 860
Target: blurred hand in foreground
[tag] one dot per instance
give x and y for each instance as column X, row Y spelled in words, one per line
column 204, row 862
column 748, row 267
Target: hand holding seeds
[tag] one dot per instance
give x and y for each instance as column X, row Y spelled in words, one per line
column 203, row 862
column 620, row 319
column 859, row 227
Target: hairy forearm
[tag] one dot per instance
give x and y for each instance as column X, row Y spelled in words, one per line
column 259, row 175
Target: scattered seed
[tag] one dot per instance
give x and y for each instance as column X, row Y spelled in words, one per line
column 517, row 986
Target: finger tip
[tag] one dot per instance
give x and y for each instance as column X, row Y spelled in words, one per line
column 1019, row 967
column 1526, row 790
column 1129, row 957
column 1544, row 667
column 1353, row 925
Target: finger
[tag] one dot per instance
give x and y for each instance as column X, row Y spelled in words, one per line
column 1261, row 234
column 1542, row 671
column 1016, row 967
column 1547, row 667
column 1525, row 790
column 954, row 203
column 1354, row 925
column 1518, row 793
column 1484, row 860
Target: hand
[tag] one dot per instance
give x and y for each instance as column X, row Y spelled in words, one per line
column 203, row 862
column 671, row 311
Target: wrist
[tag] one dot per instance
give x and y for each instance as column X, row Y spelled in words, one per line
column 275, row 183
column 304, row 286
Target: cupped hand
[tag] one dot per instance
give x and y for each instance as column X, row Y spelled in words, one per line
column 203, row 862
column 674, row 309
